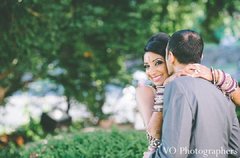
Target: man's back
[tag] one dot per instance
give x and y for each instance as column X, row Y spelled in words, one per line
column 199, row 121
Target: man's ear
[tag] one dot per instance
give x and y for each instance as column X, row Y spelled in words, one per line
column 171, row 57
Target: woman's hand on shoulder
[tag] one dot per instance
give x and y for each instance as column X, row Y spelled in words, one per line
column 193, row 70
column 197, row 70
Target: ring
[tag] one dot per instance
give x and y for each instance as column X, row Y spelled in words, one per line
column 196, row 71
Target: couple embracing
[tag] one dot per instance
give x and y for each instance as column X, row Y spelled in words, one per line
column 190, row 111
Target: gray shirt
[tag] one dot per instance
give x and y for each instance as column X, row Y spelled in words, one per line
column 198, row 121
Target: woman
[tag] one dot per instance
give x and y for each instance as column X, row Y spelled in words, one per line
column 150, row 98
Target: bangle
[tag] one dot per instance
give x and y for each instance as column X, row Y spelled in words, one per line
column 158, row 100
column 224, row 78
column 226, row 83
column 157, row 108
column 233, row 87
column 153, row 142
column 220, row 77
column 213, row 76
column 216, row 76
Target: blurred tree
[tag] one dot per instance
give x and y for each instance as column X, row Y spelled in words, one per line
column 83, row 45
column 77, row 44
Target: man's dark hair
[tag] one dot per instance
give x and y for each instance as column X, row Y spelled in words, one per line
column 186, row 46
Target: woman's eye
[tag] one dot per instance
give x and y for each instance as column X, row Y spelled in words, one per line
column 159, row 62
column 146, row 66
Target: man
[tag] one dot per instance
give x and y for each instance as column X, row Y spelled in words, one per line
column 199, row 121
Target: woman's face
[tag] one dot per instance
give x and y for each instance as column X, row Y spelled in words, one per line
column 155, row 67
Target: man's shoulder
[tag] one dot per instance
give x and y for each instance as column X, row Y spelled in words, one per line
column 188, row 80
column 178, row 84
column 183, row 80
column 187, row 83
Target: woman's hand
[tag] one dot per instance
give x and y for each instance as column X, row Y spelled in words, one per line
column 197, row 70
column 193, row 70
column 147, row 154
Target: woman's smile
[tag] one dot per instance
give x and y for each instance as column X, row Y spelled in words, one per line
column 155, row 68
column 157, row 78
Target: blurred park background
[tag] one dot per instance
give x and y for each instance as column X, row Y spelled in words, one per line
column 69, row 67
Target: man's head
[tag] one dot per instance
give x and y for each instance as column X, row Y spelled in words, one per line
column 184, row 47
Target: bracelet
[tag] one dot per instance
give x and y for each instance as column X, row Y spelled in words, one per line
column 220, row 77
column 153, row 142
column 225, row 82
column 213, row 76
column 233, row 87
column 158, row 100
column 157, row 108
column 224, row 78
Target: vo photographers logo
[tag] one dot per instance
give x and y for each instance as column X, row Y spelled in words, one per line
column 203, row 152
column 170, row 150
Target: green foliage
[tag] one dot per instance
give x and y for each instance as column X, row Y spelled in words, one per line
column 12, row 151
column 238, row 112
column 77, row 44
column 83, row 45
column 122, row 144
column 31, row 131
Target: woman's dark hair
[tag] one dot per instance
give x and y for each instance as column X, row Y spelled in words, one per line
column 157, row 44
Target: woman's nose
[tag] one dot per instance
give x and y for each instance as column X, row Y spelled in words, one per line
column 152, row 70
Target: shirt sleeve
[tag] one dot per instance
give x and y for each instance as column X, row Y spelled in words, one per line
column 177, row 124
column 234, row 143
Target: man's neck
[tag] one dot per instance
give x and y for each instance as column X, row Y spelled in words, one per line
column 179, row 67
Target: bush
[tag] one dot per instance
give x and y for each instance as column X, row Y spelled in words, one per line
column 100, row 144
column 238, row 112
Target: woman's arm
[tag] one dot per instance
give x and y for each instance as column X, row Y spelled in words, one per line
column 152, row 120
column 145, row 101
column 152, row 117
column 223, row 80
column 154, row 127
column 218, row 77
column 235, row 95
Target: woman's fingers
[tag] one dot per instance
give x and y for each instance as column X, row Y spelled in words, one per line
column 147, row 154
column 197, row 70
column 190, row 68
column 193, row 70
column 204, row 72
